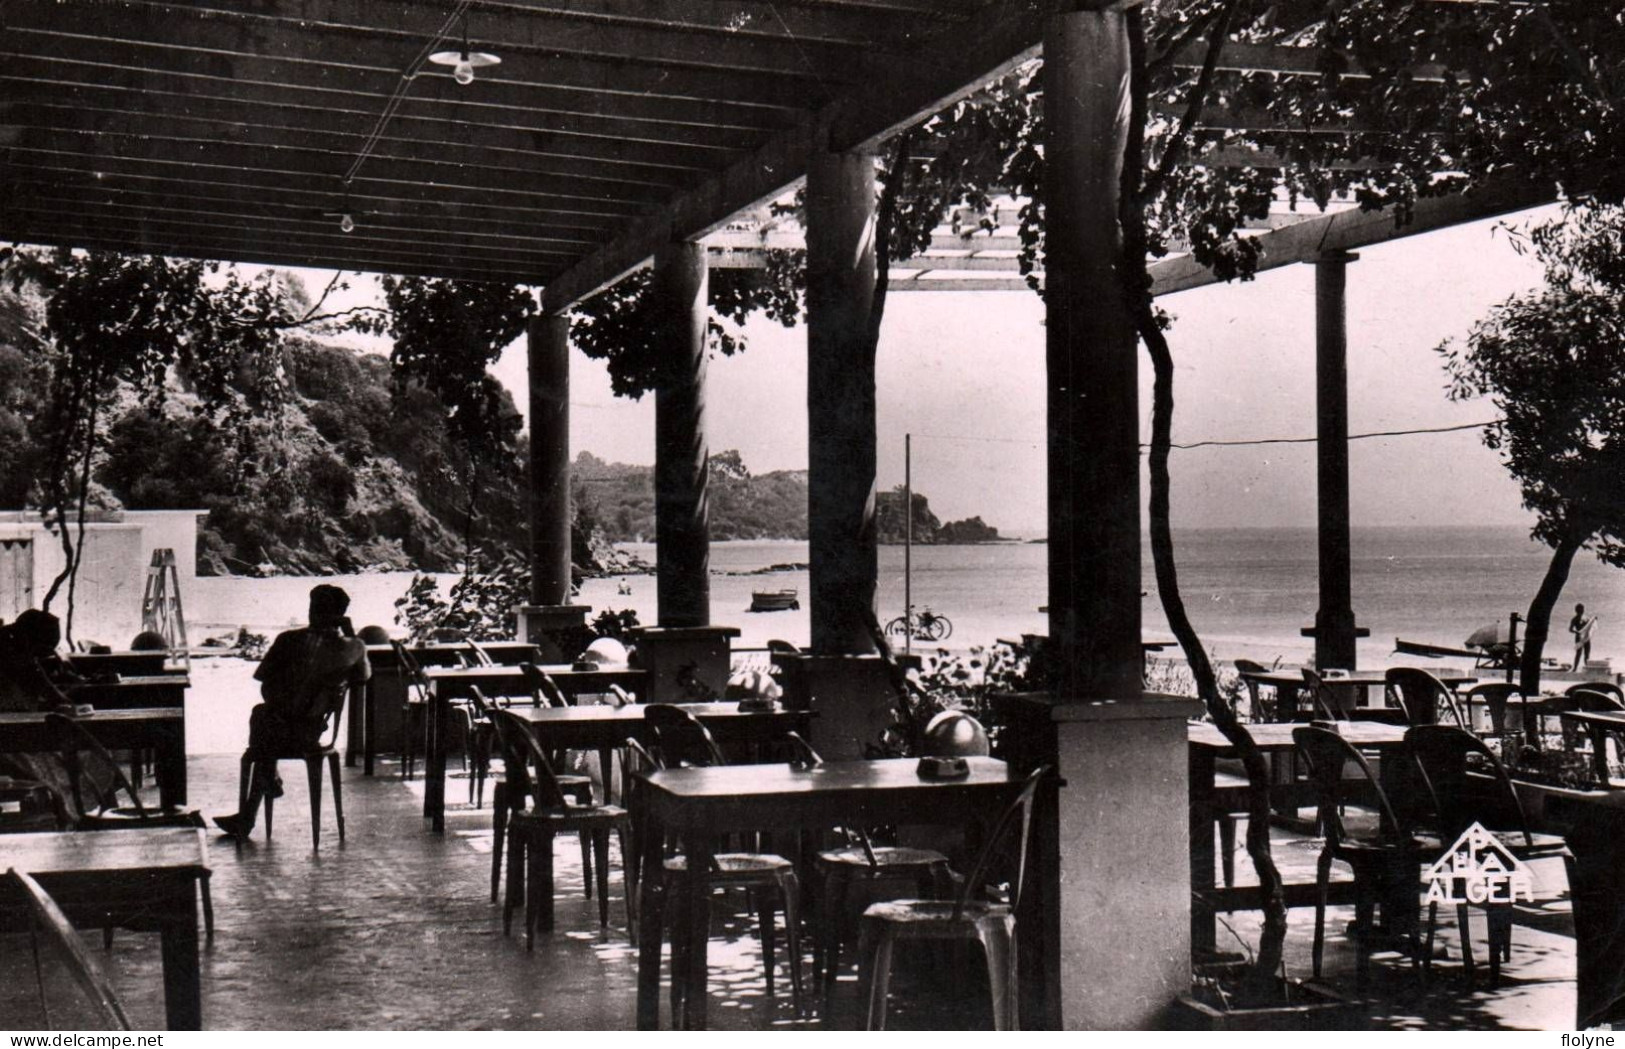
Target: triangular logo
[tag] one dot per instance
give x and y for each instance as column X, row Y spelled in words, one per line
column 1478, row 868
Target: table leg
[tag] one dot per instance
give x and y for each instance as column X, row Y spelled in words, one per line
column 1203, row 931
column 171, row 767
column 183, row 993
column 357, row 723
column 438, row 717
column 697, row 848
column 651, row 916
column 369, row 729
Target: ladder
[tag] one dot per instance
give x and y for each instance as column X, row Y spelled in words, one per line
column 161, row 604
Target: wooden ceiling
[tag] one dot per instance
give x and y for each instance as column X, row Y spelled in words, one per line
column 225, row 128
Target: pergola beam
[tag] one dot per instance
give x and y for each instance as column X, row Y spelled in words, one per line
column 1348, row 230
column 892, row 96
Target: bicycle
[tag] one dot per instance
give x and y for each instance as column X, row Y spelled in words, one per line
column 924, row 625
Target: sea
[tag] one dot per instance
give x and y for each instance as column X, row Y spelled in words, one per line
column 1249, row 592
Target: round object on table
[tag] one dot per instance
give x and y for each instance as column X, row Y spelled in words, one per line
column 373, row 635
column 605, row 652
column 955, row 734
column 149, row 641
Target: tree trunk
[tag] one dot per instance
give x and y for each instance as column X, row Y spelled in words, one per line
column 1539, row 620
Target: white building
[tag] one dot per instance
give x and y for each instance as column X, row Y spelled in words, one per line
column 113, row 569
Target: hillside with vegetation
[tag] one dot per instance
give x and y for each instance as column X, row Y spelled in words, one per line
column 620, row 500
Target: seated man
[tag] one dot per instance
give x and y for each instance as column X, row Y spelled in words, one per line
column 30, row 667
column 304, row 675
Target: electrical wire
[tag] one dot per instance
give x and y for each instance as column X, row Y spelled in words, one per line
column 1249, row 442
column 402, row 85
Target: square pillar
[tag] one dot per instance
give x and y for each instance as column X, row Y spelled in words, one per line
column 1106, row 911
column 560, row 631
column 675, row 656
column 851, row 695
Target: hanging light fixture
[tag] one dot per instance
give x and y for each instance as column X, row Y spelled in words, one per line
column 464, row 62
column 344, row 213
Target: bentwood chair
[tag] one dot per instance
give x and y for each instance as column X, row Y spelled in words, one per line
column 970, row 917
column 1467, row 785
column 73, row 741
column 414, row 712
column 1497, row 698
column 1255, row 707
column 1386, row 863
column 681, row 739
column 1424, row 698
column 533, row 828
column 505, row 800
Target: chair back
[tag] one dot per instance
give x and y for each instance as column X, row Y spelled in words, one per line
column 1496, row 695
column 1324, row 703
column 514, row 768
column 411, row 668
column 1327, row 756
column 680, row 737
column 1589, row 699
column 1017, row 819
column 1243, row 668
column 1423, row 697
column 802, row 750
column 72, row 740
column 1607, row 688
column 639, row 759
column 544, row 691
column 477, row 655
column 52, row 926
column 527, row 751
column 1466, row 782
column 783, row 648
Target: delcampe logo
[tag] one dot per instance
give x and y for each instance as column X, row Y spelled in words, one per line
column 1479, row 869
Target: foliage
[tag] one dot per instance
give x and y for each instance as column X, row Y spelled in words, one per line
column 620, row 499
column 612, row 624
column 479, row 607
column 1553, row 364
column 625, row 325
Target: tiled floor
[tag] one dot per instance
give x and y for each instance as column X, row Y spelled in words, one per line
column 395, row 929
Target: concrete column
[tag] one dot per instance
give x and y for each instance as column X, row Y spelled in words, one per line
column 682, row 528
column 1094, row 418
column 1334, row 630
column 549, row 349
column 841, row 400
column 1104, row 917
column 550, row 621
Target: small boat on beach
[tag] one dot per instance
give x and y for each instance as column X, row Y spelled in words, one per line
column 774, row 600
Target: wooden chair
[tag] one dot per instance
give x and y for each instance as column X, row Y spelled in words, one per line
column 48, row 925
column 1424, row 698
column 533, row 826
column 1387, row 865
column 970, row 917
column 1321, row 701
column 1599, row 732
column 505, row 800
column 1467, row 784
column 325, row 750
column 681, row 739
column 73, row 740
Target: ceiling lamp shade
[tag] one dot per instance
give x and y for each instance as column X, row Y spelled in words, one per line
column 464, row 62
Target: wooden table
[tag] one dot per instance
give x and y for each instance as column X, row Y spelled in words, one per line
column 604, row 728
column 139, row 879
column 702, row 803
column 448, row 683
column 139, row 664
column 387, row 687
column 133, row 692
column 1206, row 745
column 162, row 729
column 1288, row 683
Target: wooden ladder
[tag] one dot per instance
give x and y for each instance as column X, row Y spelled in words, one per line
column 161, row 604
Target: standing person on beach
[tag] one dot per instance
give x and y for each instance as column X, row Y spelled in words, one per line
column 1581, row 626
column 303, row 677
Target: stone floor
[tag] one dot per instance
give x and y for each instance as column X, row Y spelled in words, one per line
column 395, row 930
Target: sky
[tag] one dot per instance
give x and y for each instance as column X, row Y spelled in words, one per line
column 964, row 373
